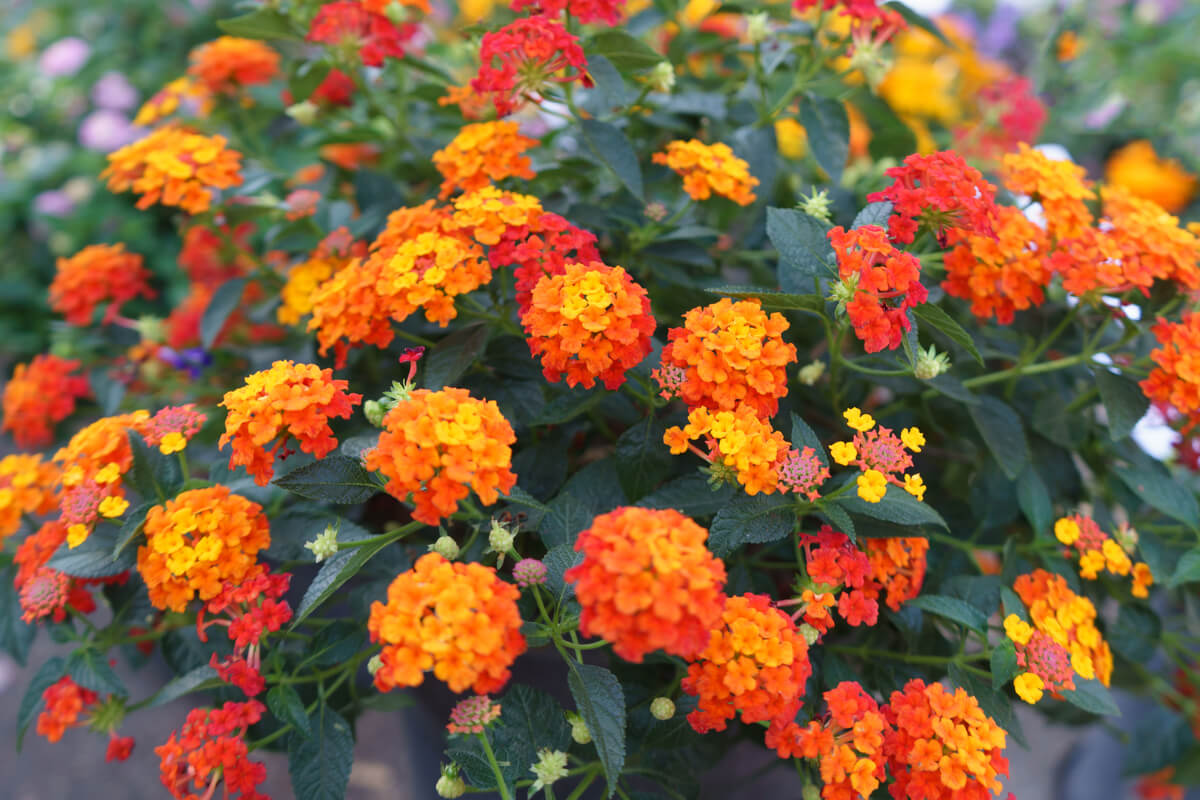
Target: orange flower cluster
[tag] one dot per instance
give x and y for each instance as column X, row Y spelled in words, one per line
column 39, row 395
column 65, row 701
column 1046, row 663
column 881, row 455
column 1097, row 551
column 1159, row 786
column 460, row 620
column 709, row 169
column 27, row 486
column 481, row 154
column 96, row 446
column 940, row 745
column 487, row 213
column 731, row 354
column 740, row 446
column 835, row 571
column 1059, row 186
column 898, row 565
column 438, row 446
column 1004, row 273
column 1175, row 380
column 174, row 166
column 287, row 401
column 848, row 746
column 647, row 582
column 229, row 64
column 1139, row 170
column 756, row 663
column 180, row 93
column 97, row 274
column 211, row 749
column 198, row 541
column 335, row 252
column 593, row 321
column 1068, row 619
column 879, row 285
column 43, row 591
column 428, row 272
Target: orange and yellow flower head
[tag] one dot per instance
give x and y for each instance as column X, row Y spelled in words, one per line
column 104, row 442
column 898, row 565
column 482, row 154
column 27, row 486
column 648, row 582
column 1139, row 170
column 428, row 272
column 39, row 395
column 176, row 167
column 1002, row 273
column 1175, row 378
column 229, row 64
column 198, row 541
column 593, row 321
column 731, row 353
column 709, row 169
column 287, row 401
column 335, row 252
column 1059, row 185
column 487, row 213
column 881, row 285
column 744, row 445
column 459, row 620
column 99, row 274
column 1069, row 620
column 439, row 446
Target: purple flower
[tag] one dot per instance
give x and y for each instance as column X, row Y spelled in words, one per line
column 1001, row 30
column 114, row 91
column 1105, row 113
column 54, row 203
column 64, row 58
column 192, row 360
column 106, row 130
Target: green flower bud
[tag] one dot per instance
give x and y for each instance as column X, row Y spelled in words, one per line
column 579, row 728
column 810, row 792
column 325, row 545
column 500, row 538
column 931, row 363
column 446, row 547
column 151, row 329
column 662, row 708
column 374, row 411
column 811, row 373
column 551, row 766
column 818, row 205
column 809, row 633
column 374, row 663
column 305, row 113
column 662, row 77
column 450, row 786
column 758, row 27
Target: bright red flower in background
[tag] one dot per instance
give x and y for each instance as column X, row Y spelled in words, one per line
column 40, row 394
column 364, row 34
column 98, row 274
column 519, row 61
column 1009, row 114
column 586, row 11
column 940, row 191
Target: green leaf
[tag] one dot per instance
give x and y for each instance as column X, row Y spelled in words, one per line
column 873, row 214
column 643, row 460
column 287, row 707
column 1003, row 433
column 387, row 701
column 153, row 473
column 307, row 78
column 558, row 560
column 840, row 520
column 16, row 635
column 953, row 388
column 1159, row 740
column 897, row 506
column 335, row 479
column 1092, row 697
column 265, row 23
column 94, row 557
column 200, row 679
column 1136, row 632
column 341, row 567
column 828, row 128
column 750, row 520
column 804, row 436
column 536, row 509
column 1187, row 570
column 692, row 495
column 533, row 721
column 804, row 249
column 569, row 405
column 224, row 302
column 1034, row 499
column 952, row 609
column 611, row 145
column 31, row 702
column 108, row 393
column 131, row 527
column 601, row 703
column 1154, row 485
column 90, row 669
column 608, row 83
column 319, row 764
column 1004, row 663
column 938, row 319
column 774, row 301
column 452, row 356
column 625, row 52
column 1124, row 401
column 920, row 21
column 567, row 515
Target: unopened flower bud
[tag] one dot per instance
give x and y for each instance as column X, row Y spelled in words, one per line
column 579, row 728
column 1126, row 536
column 529, row 572
column 931, row 363
column 374, row 663
column 811, row 373
column 868, row 58
column 449, row 784
column 305, row 112
column 758, row 27
column 817, row 205
column 662, row 708
column 843, row 291
column 374, row 411
column 656, row 211
column 396, row 12
column 325, row 545
column 445, row 547
column 809, row 633
column 662, row 77
column 500, row 538
column 151, row 329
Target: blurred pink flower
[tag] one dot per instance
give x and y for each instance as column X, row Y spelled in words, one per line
column 53, row 203
column 64, row 58
column 106, row 130
column 114, row 91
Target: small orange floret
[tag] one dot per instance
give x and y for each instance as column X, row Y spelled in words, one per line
column 438, row 446
column 591, row 322
column 460, row 620
column 709, row 169
column 1175, row 379
column 39, row 395
column 228, row 64
column 488, row 213
column 27, row 486
column 481, row 154
column 289, row 400
column 198, row 541
column 98, row 274
column 648, row 582
column 176, row 167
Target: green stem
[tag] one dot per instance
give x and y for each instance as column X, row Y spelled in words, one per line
column 501, row 786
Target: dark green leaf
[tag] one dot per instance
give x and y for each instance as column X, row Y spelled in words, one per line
column 920, row 21
column 287, row 707
column 451, row 357
column 840, row 520
column 341, row 567
column 1124, row 401
column 335, row 479
column 224, row 302
column 388, row 701
column 609, row 85
column 936, row 318
column 1034, row 499
column 533, row 721
column 108, row 392
column 16, row 635
column 804, row 436
column 535, row 510
column 1155, row 486
column 952, row 609
column 90, row 669
column 131, row 527
column 750, row 520
column 31, row 702
column 568, row 406
column 1187, row 570
column 566, row 517
column 610, row 144
column 319, row 763
column 154, row 474
column 1159, row 740
column 691, row 495
column 774, row 301
column 601, row 703
column 307, row 78
column 873, row 214
column 1003, row 433
column 1136, row 632
column 804, row 249
column 1093, row 697
column 1004, row 663
column 643, row 461
column 626, row 52
column 94, row 557
column 953, row 388
column 199, row 679
column 897, row 506
column 828, row 128
column 558, row 560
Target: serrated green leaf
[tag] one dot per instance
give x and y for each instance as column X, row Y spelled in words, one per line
column 804, row 249
column 90, row 669
column 334, row 479
column 153, row 474
column 750, row 520
column 804, row 436
column 774, row 301
column 624, row 51
column 46, row 676
column 199, row 679
column 224, row 302
column 828, row 128
column 1155, row 486
column 536, row 510
column 94, row 557
column 1034, row 499
column 131, row 527
column 388, row 701
column 840, row 520
column 558, row 560
column 601, row 703
column 1187, row 570
column 1003, row 663
column 1124, row 401
column 264, row 23
column 953, row 609
column 1159, row 740
column 1003, row 433
column 533, row 721
column 1092, row 697
column 568, row 406
column 287, row 707
column 643, row 460
column 612, row 146
column 447, row 360
column 319, row 764
column 897, row 506
column 939, row 320
column 691, row 495
column 876, row 214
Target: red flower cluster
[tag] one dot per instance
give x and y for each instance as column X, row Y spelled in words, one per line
column 43, row 591
column 1002, row 272
column 521, row 59
column 941, row 191
column 211, row 748
column 544, row 246
column 885, row 282
column 836, row 567
column 1010, row 114
column 586, row 11
column 98, row 274
column 38, row 395
column 1174, row 381
column 252, row 609
column 65, row 702
column 367, row 35
column 211, row 256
